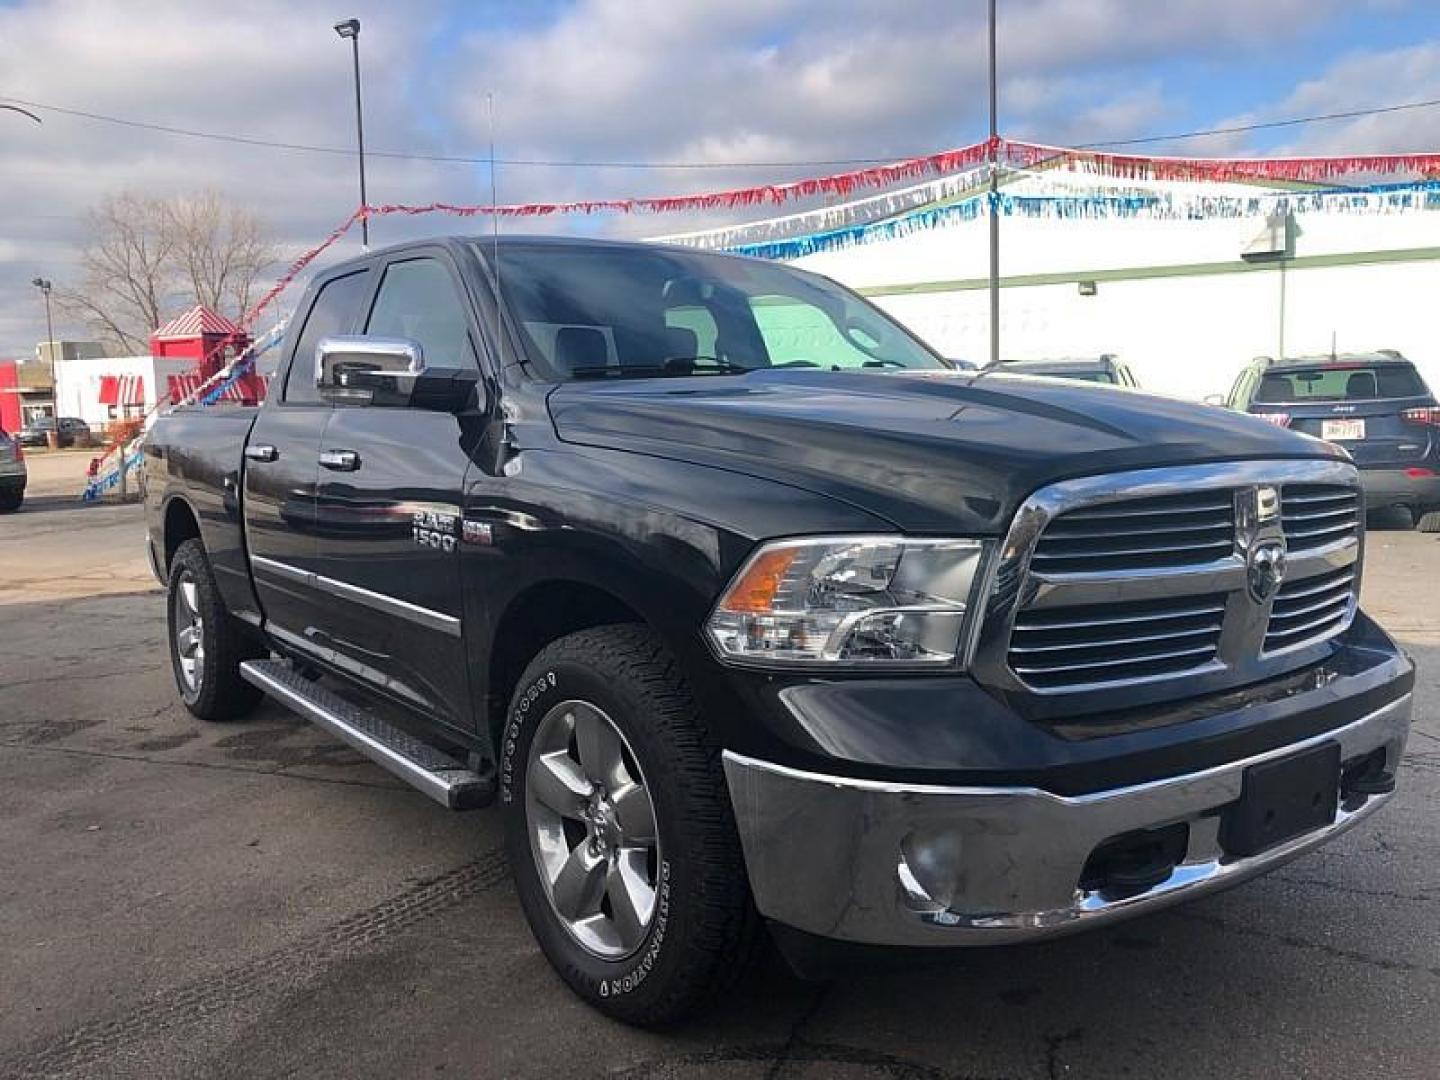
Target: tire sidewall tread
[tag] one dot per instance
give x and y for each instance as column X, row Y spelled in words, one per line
column 705, row 929
column 223, row 694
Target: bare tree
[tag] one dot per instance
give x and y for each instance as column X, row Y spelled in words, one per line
column 147, row 259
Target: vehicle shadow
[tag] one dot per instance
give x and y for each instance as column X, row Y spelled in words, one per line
column 51, row 503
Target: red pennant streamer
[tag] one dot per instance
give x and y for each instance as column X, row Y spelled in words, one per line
column 1148, row 167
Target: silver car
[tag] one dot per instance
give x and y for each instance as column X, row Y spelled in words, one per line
column 12, row 473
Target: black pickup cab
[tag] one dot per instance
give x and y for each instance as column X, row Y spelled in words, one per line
column 759, row 620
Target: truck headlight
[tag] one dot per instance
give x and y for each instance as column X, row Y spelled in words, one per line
column 852, row 600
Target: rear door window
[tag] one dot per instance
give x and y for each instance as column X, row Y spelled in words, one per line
column 1343, row 383
column 333, row 312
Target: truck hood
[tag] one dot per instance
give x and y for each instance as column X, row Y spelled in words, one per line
column 931, row 452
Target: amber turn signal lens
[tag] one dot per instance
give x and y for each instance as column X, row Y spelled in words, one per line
column 753, row 593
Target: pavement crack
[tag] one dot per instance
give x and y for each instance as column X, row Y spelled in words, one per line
column 85, row 1049
column 782, row 1059
column 1053, row 1043
column 281, row 773
column 1352, row 890
column 1295, row 941
column 88, row 677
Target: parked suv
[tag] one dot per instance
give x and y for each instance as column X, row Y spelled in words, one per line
column 1375, row 405
column 69, row 430
column 1106, row 369
column 12, row 472
column 744, row 605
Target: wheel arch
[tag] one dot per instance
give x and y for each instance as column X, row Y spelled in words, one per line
column 179, row 523
column 540, row 613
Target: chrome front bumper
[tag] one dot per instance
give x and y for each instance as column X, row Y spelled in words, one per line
column 881, row 863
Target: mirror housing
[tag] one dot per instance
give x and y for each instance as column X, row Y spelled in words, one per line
column 390, row 372
column 1214, row 399
column 388, row 362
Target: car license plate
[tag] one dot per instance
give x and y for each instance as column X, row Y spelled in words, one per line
column 1342, row 430
column 1283, row 799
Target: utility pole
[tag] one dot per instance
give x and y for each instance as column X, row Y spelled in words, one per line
column 994, row 203
column 350, row 28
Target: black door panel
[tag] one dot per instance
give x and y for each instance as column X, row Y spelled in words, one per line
column 388, row 515
column 388, row 538
column 281, row 473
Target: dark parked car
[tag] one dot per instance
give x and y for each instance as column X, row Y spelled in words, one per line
column 1106, row 369
column 1375, row 405
column 69, row 430
column 12, row 472
column 752, row 613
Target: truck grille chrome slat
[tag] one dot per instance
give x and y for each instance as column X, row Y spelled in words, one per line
column 1174, row 530
column 1208, row 630
column 1086, row 596
column 1086, row 645
column 1310, row 608
column 1316, row 515
column 1066, row 621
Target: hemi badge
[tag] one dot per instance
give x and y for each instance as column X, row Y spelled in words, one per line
column 1267, row 503
column 477, row 532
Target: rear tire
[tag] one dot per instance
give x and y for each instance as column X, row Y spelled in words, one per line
column 207, row 645
column 1428, row 520
column 701, row 931
column 11, row 499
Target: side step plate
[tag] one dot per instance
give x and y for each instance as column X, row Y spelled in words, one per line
column 413, row 760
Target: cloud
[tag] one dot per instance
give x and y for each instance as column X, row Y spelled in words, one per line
column 713, row 81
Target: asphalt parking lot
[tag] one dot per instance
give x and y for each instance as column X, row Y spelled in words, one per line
column 256, row 900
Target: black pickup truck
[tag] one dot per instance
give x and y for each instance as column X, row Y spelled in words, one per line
column 760, row 620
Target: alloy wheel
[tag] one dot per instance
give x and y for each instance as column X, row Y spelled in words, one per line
column 592, row 829
column 189, row 632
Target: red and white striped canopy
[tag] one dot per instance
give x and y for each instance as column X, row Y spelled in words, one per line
column 246, row 390
column 122, row 390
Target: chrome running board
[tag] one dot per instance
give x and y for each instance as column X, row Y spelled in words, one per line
column 413, row 760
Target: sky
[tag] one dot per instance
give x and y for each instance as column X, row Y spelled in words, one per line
column 736, row 89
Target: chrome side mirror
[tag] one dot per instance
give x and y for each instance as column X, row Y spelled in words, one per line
column 367, row 363
column 1213, row 399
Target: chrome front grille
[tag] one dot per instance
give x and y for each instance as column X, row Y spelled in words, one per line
column 1173, row 582
column 1139, row 534
column 1315, row 515
column 1310, row 609
column 1100, row 643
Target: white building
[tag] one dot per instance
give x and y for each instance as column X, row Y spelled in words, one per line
column 1174, row 297
column 104, row 389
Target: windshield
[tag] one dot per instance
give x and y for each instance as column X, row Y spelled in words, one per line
column 618, row 311
column 1341, row 383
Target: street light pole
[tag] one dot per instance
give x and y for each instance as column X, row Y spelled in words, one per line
column 44, row 286
column 994, row 204
column 350, row 28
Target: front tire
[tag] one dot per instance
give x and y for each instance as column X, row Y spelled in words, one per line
column 206, row 644
column 10, row 500
column 619, row 830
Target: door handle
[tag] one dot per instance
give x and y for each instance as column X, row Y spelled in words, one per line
column 261, row 453
column 340, row 460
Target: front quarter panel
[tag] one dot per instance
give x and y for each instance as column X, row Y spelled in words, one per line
column 661, row 536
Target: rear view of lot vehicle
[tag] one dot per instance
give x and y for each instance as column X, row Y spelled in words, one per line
column 1375, row 405
column 13, row 474
column 1104, row 370
column 754, row 615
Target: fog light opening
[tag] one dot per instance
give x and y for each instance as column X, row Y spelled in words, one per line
column 1134, row 862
